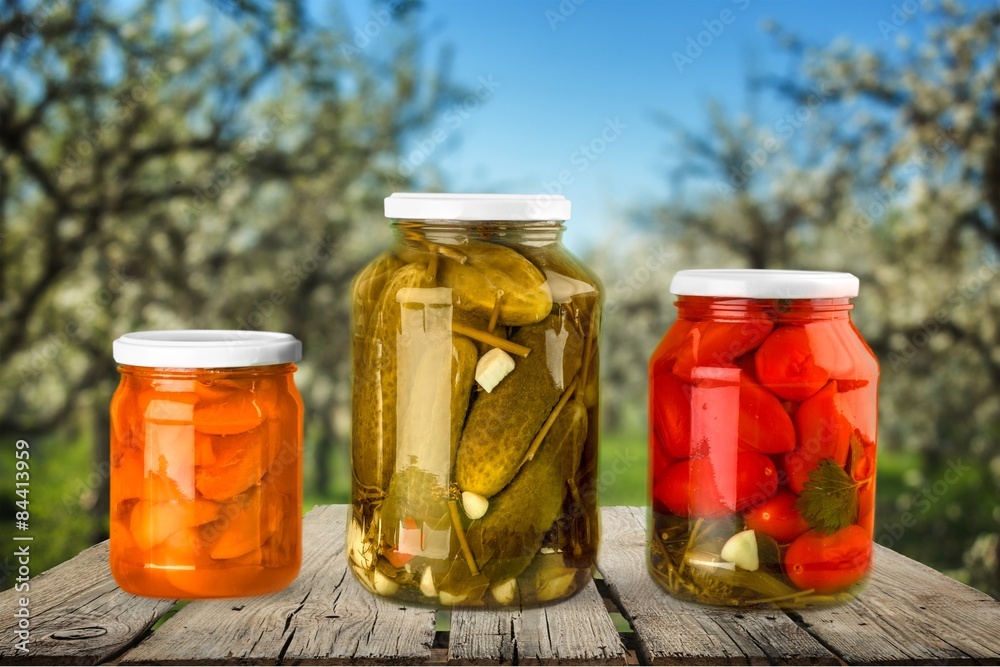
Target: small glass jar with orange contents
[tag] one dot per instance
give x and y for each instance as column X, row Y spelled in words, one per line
column 206, row 464
column 763, row 408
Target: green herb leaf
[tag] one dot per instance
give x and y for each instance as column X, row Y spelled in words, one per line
column 829, row 500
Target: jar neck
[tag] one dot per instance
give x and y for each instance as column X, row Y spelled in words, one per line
column 785, row 310
column 202, row 373
column 532, row 233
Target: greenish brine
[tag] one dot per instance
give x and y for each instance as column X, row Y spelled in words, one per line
column 475, row 407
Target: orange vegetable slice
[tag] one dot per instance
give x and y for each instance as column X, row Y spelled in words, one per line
column 204, row 453
column 236, row 412
column 241, row 528
column 127, row 475
column 152, row 523
column 241, row 460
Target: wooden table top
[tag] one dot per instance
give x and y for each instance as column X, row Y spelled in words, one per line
column 909, row 614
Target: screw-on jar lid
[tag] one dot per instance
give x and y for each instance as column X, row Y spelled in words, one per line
column 471, row 207
column 764, row 284
column 206, row 348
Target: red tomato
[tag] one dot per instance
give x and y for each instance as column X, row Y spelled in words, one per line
column 688, row 489
column 662, row 358
column 764, row 424
column 756, row 479
column 718, row 343
column 829, row 563
column 659, row 461
column 748, row 365
column 670, row 413
column 699, row 486
column 777, row 517
column 786, row 366
column 823, row 432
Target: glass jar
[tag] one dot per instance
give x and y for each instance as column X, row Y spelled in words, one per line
column 206, row 472
column 474, row 446
column 762, row 412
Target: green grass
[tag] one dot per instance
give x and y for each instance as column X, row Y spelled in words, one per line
column 622, row 478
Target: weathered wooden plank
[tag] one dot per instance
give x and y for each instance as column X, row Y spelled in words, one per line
column 576, row 631
column 61, row 583
column 669, row 631
column 324, row 616
column 910, row 614
column 78, row 614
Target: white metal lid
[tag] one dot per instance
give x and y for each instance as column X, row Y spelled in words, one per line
column 444, row 206
column 764, row 284
column 206, row 348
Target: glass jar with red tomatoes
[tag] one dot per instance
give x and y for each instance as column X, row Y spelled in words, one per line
column 762, row 413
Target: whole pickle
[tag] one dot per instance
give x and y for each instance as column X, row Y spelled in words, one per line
column 575, row 288
column 367, row 288
column 373, row 433
column 502, row 423
column 463, row 373
column 566, row 275
column 506, row 539
column 489, row 269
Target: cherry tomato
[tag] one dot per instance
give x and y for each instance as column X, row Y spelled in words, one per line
column 670, row 413
column 688, row 489
column 764, row 424
column 777, row 517
column 829, row 563
column 756, row 479
column 701, row 487
column 822, row 431
column 786, row 366
column 718, row 343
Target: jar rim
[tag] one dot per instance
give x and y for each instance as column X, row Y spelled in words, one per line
column 765, row 284
column 466, row 207
column 206, row 348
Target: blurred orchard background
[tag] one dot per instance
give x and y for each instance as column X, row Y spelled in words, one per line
column 222, row 164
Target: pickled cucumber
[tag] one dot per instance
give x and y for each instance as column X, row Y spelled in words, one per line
column 373, row 437
column 463, row 372
column 508, row 537
column 502, row 424
column 491, row 268
column 367, row 288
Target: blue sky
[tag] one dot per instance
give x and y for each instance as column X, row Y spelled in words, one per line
column 560, row 79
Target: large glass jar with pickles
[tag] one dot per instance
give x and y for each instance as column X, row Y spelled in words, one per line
column 475, row 405
column 762, row 407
